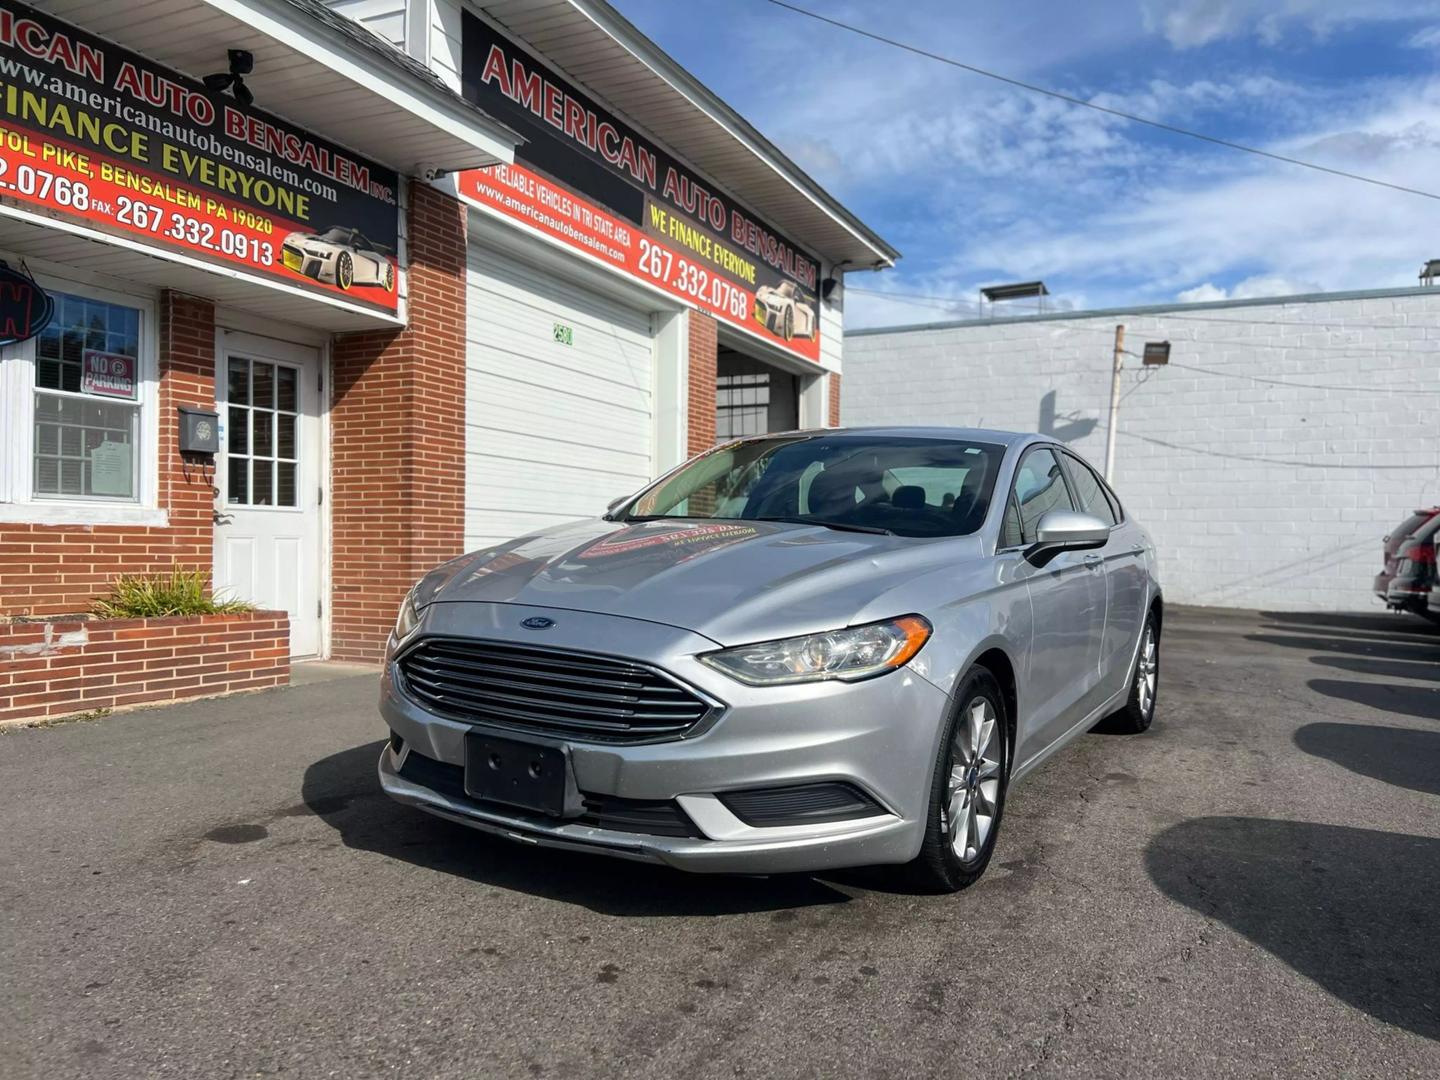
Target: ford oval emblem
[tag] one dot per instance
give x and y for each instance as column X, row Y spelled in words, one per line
column 537, row 622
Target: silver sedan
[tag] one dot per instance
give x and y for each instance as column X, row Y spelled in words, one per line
column 793, row 653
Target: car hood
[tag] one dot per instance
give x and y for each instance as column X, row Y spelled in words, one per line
column 732, row 581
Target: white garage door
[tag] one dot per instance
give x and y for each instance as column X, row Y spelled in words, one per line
column 554, row 431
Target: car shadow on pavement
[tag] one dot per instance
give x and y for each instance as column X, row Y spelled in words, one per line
column 1351, row 909
column 1401, row 756
column 1388, row 623
column 1420, row 701
column 1379, row 648
column 343, row 791
column 1385, row 669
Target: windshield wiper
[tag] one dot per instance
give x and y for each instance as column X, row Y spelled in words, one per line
column 838, row 526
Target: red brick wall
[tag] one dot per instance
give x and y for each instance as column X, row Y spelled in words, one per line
column 703, row 353
column 834, row 400
column 397, row 426
column 54, row 569
column 57, row 668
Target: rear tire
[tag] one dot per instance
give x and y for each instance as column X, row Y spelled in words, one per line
column 1139, row 708
column 967, row 792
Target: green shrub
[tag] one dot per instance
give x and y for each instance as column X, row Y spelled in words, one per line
column 153, row 596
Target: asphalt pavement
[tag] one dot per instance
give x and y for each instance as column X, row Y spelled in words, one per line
column 1251, row 889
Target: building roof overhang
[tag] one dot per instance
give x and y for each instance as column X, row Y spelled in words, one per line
column 592, row 43
column 314, row 68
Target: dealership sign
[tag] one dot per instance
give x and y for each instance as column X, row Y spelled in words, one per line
column 99, row 136
column 591, row 181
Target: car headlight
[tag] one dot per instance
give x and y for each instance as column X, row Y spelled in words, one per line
column 857, row 652
column 409, row 617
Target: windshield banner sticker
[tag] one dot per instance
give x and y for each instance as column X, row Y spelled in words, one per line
column 588, row 179
column 100, row 136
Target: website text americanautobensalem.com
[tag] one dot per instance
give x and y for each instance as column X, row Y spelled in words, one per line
column 258, row 162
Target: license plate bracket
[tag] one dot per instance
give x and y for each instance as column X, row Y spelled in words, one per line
column 526, row 774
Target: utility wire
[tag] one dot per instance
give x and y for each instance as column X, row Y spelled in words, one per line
column 1161, row 316
column 1070, row 99
column 1408, row 391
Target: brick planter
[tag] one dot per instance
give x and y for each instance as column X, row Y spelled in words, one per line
column 67, row 666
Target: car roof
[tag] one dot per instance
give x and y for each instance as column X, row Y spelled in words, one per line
column 966, row 434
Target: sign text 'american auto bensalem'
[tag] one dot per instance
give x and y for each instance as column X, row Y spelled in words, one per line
column 93, row 133
column 589, row 179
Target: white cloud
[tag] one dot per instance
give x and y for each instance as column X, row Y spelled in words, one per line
column 1190, row 24
column 1202, row 294
column 1251, row 288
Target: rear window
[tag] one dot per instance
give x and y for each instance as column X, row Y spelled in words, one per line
column 1410, row 524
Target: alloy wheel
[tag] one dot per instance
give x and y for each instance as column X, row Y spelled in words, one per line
column 973, row 792
column 1147, row 671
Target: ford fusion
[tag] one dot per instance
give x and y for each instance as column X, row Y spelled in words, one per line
column 795, row 652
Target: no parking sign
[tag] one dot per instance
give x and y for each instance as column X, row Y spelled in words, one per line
column 108, row 375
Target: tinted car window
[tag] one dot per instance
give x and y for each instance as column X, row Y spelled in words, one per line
column 1010, row 534
column 1089, row 492
column 896, row 483
column 1039, row 488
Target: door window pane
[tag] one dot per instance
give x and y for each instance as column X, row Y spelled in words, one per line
column 239, row 382
column 1039, row 488
column 285, row 436
column 263, row 441
column 261, row 493
column 285, row 392
column 1089, row 491
column 262, row 385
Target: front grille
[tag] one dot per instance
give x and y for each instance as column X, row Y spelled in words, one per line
column 566, row 694
column 653, row 817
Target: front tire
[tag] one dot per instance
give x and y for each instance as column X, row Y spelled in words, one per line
column 1139, row 708
column 967, row 793
column 345, row 271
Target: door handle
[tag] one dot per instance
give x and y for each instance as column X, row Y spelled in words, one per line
column 1093, row 561
column 1138, row 549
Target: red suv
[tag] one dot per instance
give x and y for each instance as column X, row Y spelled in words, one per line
column 1407, row 529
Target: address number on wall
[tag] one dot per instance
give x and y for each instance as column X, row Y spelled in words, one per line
column 564, row 335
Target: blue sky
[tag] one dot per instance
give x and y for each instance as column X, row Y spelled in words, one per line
column 977, row 183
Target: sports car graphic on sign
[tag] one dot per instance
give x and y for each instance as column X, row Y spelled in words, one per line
column 339, row 256
column 785, row 310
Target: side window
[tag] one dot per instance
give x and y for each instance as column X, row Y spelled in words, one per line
column 1089, row 492
column 1010, row 535
column 1039, row 488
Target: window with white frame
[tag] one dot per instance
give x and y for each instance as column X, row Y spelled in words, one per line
column 77, row 405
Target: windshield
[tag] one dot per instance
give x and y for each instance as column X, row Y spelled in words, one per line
column 908, row 486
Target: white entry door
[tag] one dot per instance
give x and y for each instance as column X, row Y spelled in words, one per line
column 267, row 533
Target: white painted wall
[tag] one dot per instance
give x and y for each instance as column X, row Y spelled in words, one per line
column 1259, row 494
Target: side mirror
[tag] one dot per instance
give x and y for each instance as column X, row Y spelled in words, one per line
column 1066, row 530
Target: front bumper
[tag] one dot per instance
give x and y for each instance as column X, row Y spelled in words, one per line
column 881, row 735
